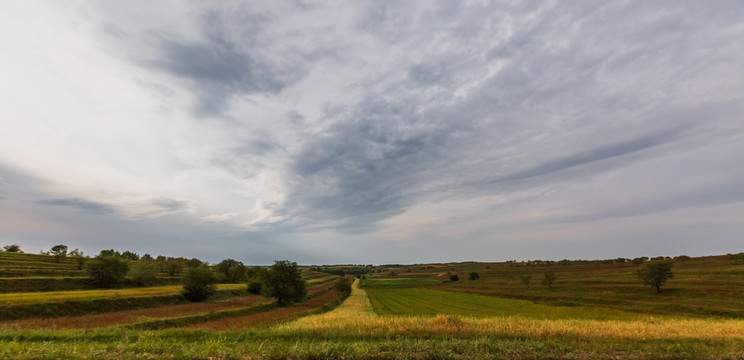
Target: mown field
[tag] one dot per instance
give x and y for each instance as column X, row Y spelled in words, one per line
column 591, row 311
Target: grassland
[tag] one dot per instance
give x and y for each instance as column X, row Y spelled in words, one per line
column 424, row 315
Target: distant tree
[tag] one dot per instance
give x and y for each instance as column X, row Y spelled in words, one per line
column 130, row 255
column 639, row 260
column 656, row 274
column 525, row 279
column 12, row 248
column 198, row 283
column 109, row 252
column 174, row 266
column 735, row 258
column 682, row 258
column 548, row 279
column 473, row 276
column 106, row 271
column 144, row 273
column 231, row 270
column 146, row 257
column 284, row 282
column 621, row 260
column 78, row 257
column 454, row 277
column 59, row 251
column 194, row 262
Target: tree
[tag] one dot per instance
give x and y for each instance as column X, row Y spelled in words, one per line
column 656, row 274
column 639, row 260
column 231, row 270
column 130, row 255
column 144, row 273
column 548, row 279
column 78, row 257
column 473, row 276
column 454, row 277
column 174, row 266
column 284, row 282
column 525, row 279
column 255, row 287
column 198, row 283
column 59, row 251
column 106, row 271
column 12, row 248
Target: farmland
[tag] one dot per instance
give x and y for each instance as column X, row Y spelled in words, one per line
column 593, row 310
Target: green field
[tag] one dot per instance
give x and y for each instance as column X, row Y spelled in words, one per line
column 435, row 302
column 397, row 283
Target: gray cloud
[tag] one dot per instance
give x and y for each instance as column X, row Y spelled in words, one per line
column 85, row 206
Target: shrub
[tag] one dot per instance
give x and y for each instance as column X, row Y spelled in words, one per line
column 656, row 274
column 548, row 279
column 454, row 277
column 106, row 271
column 198, row 283
column 525, row 279
column 473, row 276
column 343, row 286
column 283, row 281
column 639, row 260
column 144, row 273
column 255, row 287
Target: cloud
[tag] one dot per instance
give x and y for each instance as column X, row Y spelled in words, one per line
column 219, row 218
column 85, row 206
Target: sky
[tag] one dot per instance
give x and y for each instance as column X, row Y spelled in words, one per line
column 373, row 132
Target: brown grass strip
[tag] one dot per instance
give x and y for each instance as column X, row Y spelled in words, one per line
column 267, row 317
column 131, row 316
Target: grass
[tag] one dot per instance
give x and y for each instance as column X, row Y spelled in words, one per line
column 86, row 295
column 398, row 282
column 434, row 302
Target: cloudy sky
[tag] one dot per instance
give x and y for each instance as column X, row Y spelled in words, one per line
column 373, row 132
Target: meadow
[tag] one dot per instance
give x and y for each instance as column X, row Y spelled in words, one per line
column 417, row 312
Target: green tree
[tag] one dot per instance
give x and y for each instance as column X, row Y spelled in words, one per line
column 174, row 266
column 639, row 260
column 255, row 287
column 78, row 257
column 548, row 279
column 198, row 283
column 12, row 248
column 231, row 270
column 525, row 279
column 106, row 271
column 59, row 251
column 144, row 273
column 656, row 274
column 130, row 255
column 454, row 277
column 284, row 282
column 473, row 276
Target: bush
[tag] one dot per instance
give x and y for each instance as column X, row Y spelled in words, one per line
column 473, row 276
column 198, row 283
column 255, row 287
column 283, row 281
column 525, row 279
column 454, row 277
column 343, row 286
column 106, row 271
column 144, row 273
